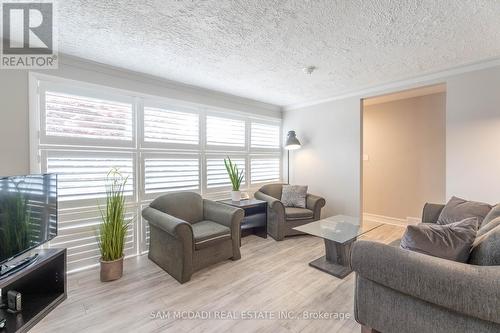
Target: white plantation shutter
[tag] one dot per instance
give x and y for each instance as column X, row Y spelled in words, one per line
column 169, row 126
column 266, row 136
column 217, row 176
column 78, row 230
column 265, row 169
column 162, row 145
column 225, row 132
column 87, row 118
column 82, row 175
column 167, row 173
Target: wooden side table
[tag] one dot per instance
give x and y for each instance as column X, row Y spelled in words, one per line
column 255, row 221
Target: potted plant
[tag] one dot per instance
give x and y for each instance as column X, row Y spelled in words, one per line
column 236, row 177
column 113, row 229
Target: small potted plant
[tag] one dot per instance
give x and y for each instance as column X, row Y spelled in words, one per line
column 113, row 229
column 236, row 177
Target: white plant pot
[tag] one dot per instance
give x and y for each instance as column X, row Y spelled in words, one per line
column 235, row 195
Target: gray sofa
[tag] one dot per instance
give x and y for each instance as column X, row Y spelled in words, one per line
column 403, row 291
column 280, row 219
column 188, row 233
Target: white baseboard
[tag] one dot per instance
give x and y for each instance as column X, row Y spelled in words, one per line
column 391, row 220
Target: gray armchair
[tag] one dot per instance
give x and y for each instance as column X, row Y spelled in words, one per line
column 188, row 233
column 403, row 291
column 280, row 219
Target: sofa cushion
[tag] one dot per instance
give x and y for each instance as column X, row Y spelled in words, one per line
column 486, row 248
column 492, row 215
column 486, row 227
column 206, row 233
column 294, row 196
column 458, row 209
column 294, row 213
column 452, row 241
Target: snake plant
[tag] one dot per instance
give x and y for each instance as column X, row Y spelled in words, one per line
column 235, row 175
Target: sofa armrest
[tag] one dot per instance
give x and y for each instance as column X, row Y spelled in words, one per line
column 168, row 223
column 315, row 203
column 272, row 203
column 467, row 289
column 223, row 214
column 431, row 212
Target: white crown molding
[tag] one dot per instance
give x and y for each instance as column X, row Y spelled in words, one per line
column 409, row 83
column 89, row 65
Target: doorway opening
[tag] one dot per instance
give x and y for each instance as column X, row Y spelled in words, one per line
column 403, row 154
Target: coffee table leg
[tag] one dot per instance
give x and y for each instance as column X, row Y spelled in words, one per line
column 337, row 259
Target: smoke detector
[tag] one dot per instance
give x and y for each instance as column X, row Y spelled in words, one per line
column 309, row 69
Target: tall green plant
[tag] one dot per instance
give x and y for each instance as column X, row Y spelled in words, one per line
column 235, row 175
column 113, row 228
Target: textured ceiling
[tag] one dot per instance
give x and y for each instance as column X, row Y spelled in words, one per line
column 257, row 49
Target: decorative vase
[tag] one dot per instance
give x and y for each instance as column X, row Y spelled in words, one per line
column 235, row 195
column 111, row 270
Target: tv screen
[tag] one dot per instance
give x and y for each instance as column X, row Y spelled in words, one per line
column 28, row 213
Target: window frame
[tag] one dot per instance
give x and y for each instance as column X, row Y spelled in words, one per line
column 159, row 104
column 42, row 145
column 45, row 86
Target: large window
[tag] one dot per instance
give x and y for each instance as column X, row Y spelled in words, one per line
column 160, row 145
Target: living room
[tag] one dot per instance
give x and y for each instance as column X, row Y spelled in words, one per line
column 199, row 166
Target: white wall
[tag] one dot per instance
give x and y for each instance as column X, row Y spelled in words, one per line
column 473, row 136
column 330, row 162
column 14, row 110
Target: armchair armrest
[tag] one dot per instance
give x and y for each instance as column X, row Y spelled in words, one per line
column 431, row 212
column 168, row 223
column 315, row 203
column 467, row 289
column 223, row 214
column 272, row 203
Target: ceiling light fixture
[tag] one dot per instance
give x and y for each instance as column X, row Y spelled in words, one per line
column 309, row 69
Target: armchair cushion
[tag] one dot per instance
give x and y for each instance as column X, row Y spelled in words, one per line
column 294, row 213
column 206, row 233
column 458, row 209
column 187, row 206
column 272, row 190
column 294, row 196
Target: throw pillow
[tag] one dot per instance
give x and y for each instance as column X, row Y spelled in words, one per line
column 488, row 226
column 294, row 196
column 451, row 241
column 458, row 209
column 493, row 214
column 486, row 249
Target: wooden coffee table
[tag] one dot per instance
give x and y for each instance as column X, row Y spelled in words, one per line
column 339, row 233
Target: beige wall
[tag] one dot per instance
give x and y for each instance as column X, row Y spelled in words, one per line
column 14, row 133
column 404, row 141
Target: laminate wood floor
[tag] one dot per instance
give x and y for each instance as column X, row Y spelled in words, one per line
column 272, row 277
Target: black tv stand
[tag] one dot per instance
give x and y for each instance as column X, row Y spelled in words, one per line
column 7, row 270
column 42, row 284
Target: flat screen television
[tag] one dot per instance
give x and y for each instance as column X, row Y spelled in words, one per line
column 28, row 213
